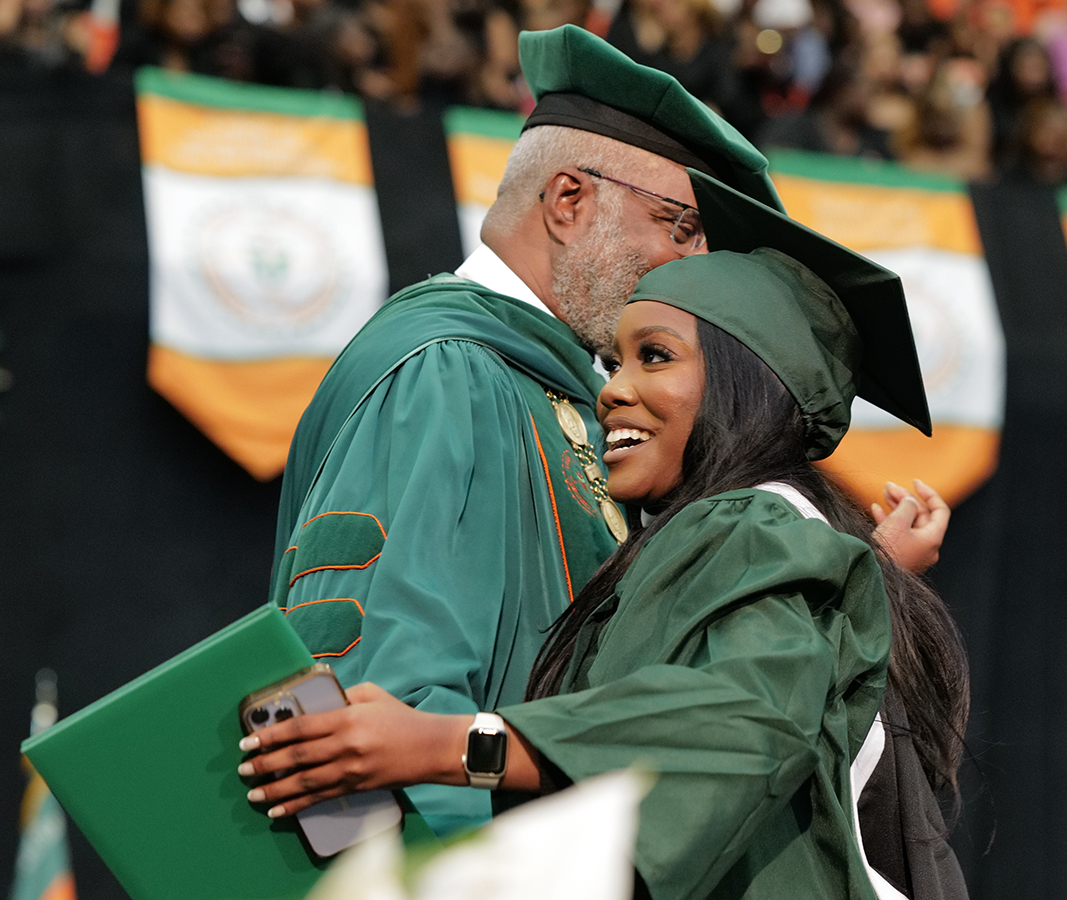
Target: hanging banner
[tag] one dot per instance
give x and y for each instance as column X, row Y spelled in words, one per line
column 265, row 251
column 923, row 228
column 479, row 141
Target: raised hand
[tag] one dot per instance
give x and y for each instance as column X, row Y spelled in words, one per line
column 911, row 526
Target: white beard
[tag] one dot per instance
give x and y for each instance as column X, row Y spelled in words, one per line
column 595, row 276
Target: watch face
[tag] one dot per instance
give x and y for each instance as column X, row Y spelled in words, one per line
column 486, row 752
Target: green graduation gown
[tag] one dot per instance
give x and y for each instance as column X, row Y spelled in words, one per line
column 744, row 663
column 426, row 494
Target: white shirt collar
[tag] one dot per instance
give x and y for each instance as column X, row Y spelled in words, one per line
column 490, row 271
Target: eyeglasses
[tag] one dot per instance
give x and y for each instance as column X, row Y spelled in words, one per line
column 687, row 232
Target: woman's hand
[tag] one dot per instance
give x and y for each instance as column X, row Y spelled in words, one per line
column 376, row 742
column 914, row 527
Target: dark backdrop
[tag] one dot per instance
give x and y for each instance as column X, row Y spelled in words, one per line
column 125, row 535
column 1004, row 569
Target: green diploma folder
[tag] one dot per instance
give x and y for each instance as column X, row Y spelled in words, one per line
column 149, row 773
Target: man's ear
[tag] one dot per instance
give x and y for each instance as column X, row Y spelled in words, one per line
column 568, row 205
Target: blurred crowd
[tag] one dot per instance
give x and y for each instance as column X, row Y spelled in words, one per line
column 967, row 88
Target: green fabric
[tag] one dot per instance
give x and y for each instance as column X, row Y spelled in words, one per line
column 744, row 664
column 337, row 540
column 889, row 375
column 784, row 314
column 571, row 59
column 416, row 834
column 440, row 308
column 428, row 414
column 330, row 632
column 280, row 575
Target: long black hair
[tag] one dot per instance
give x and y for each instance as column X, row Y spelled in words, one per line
column 748, row 431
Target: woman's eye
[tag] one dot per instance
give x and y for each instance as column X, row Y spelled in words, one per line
column 652, row 354
column 610, row 364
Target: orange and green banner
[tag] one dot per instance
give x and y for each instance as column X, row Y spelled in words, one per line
column 923, row 228
column 479, row 141
column 265, row 251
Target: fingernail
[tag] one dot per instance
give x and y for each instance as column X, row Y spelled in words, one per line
column 256, row 795
column 246, row 768
column 893, row 484
column 920, row 483
column 249, row 743
column 276, row 811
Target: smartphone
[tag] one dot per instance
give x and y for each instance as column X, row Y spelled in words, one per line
column 332, row 825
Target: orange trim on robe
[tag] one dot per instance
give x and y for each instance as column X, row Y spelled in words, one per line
column 555, row 511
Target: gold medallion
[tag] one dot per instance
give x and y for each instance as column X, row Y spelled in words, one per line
column 571, row 422
column 615, row 520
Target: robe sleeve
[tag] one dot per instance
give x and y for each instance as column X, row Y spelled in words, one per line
column 731, row 712
column 437, row 458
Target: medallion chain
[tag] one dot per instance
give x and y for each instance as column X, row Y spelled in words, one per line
column 574, row 430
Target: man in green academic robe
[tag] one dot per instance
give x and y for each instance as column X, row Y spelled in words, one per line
column 442, row 502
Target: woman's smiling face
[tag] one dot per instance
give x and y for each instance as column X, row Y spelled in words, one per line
column 648, row 406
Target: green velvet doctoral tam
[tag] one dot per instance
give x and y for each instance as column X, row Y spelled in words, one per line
column 427, row 491
column 744, row 664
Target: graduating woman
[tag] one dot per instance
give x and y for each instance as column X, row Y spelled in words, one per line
column 739, row 643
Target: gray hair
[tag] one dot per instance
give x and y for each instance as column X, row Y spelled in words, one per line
column 543, row 151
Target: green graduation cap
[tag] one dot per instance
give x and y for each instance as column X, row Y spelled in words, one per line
column 581, row 81
column 829, row 322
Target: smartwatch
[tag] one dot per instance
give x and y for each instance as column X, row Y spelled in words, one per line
column 487, row 751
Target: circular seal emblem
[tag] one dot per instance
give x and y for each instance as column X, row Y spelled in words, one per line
column 937, row 335
column 268, row 265
column 577, row 485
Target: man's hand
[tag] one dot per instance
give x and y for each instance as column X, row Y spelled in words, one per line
column 914, row 527
column 376, row 742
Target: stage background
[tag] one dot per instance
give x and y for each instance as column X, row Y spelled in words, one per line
column 126, row 535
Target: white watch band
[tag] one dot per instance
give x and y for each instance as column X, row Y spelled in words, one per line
column 494, row 724
column 486, row 782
